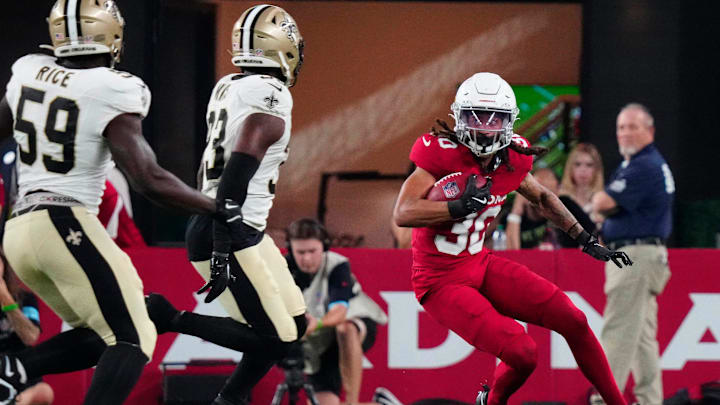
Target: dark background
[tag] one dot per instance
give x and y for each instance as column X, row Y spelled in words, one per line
column 655, row 52
column 658, row 53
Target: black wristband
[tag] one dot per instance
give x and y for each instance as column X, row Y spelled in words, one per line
column 583, row 238
column 457, row 209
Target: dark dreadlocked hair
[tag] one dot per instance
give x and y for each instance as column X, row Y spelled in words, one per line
column 446, row 132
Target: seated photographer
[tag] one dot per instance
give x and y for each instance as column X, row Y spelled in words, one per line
column 342, row 320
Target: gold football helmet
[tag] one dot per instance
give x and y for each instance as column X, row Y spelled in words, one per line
column 86, row 27
column 267, row 36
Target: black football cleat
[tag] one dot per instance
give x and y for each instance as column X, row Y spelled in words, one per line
column 219, row 400
column 12, row 378
column 383, row 396
column 482, row 396
column 594, row 398
column 162, row 312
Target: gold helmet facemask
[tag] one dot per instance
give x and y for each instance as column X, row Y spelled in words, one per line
column 267, row 36
column 86, row 27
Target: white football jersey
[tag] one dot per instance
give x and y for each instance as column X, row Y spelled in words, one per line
column 60, row 116
column 233, row 99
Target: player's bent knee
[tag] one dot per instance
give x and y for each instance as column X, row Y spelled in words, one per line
column 521, row 354
column 570, row 320
column 289, row 334
column 300, row 327
column 284, row 327
column 577, row 321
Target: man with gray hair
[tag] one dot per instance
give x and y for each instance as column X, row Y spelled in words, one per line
column 638, row 205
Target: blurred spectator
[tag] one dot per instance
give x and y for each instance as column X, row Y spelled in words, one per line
column 582, row 177
column 8, row 191
column 638, row 206
column 342, row 320
column 527, row 228
column 19, row 328
column 117, row 221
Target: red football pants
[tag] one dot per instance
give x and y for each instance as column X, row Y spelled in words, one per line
column 481, row 310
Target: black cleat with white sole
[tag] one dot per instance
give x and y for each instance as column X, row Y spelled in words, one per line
column 12, row 378
column 482, row 396
column 383, row 396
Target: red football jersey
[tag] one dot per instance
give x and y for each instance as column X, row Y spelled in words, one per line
column 116, row 220
column 443, row 245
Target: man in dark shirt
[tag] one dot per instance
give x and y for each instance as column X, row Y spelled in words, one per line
column 638, row 205
column 342, row 320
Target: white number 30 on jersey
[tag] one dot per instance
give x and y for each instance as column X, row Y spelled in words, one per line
column 472, row 241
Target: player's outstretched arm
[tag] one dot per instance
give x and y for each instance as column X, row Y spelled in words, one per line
column 134, row 156
column 553, row 209
column 411, row 207
column 6, row 120
column 549, row 205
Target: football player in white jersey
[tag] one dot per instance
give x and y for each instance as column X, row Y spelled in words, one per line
column 249, row 121
column 72, row 114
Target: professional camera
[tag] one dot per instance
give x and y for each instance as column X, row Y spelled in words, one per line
column 293, row 365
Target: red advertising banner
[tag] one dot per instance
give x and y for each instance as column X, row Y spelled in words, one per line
column 416, row 358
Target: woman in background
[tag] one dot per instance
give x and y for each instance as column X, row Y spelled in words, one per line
column 582, row 177
column 527, row 228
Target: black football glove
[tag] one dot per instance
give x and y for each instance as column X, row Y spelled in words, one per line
column 227, row 220
column 474, row 199
column 592, row 247
column 220, row 276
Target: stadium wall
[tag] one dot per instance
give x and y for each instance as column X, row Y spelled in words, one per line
column 416, row 358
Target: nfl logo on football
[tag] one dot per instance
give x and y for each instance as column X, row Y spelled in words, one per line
column 451, row 189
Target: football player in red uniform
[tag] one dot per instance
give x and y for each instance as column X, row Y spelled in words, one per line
column 459, row 284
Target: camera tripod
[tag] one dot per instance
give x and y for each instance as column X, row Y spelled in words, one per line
column 294, row 382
